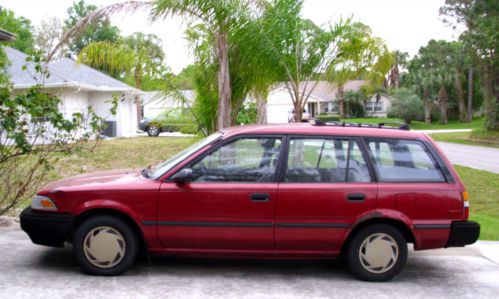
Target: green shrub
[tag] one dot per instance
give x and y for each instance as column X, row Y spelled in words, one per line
column 407, row 105
column 326, row 118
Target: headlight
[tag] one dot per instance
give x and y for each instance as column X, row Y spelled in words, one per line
column 43, row 203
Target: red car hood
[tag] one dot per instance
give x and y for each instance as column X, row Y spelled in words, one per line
column 96, row 180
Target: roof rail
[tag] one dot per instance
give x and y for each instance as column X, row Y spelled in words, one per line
column 385, row 125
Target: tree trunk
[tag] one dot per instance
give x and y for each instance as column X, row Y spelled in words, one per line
column 460, row 98
column 261, row 109
column 297, row 112
column 394, row 76
column 340, row 95
column 442, row 95
column 427, row 108
column 469, row 116
column 224, row 89
column 491, row 103
column 138, row 84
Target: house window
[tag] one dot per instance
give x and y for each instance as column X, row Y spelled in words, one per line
column 370, row 107
column 329, row 107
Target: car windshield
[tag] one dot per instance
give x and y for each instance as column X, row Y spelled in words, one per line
column 155, row 171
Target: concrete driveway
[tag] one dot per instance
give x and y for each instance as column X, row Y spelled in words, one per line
column 31, row 271
column 480, row 157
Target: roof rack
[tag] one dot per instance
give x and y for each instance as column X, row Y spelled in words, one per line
column 385, row 125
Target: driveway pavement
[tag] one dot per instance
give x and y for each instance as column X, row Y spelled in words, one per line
column 31, row 271
column 480, row 157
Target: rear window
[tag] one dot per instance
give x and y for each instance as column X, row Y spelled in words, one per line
column 325, row 161
column 403, row 161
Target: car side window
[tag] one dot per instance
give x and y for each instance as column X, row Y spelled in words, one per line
column 243, row 160
column 325, row 161
column 403, row 161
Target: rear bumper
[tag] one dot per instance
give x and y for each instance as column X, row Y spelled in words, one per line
column 463, row 233
column 49, row 229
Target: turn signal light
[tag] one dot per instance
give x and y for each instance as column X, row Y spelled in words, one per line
column 466, row 203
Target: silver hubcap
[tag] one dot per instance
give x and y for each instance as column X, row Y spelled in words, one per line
column 104, row 247
column 153, row 130
column 378, row 253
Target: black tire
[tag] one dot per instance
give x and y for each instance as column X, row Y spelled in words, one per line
column 131, row 245
column 153, row 131
column 374, row 232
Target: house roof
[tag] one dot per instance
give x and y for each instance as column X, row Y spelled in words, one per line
column 6, row 36
column 62, row 73
column 324, row 91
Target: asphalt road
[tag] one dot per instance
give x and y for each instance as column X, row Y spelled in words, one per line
column 31, row 271
column 480, row 157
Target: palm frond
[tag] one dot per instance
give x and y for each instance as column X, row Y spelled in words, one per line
column 129, row 6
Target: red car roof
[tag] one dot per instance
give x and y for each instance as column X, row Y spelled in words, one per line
column 309, row 129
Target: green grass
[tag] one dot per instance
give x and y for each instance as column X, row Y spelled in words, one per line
column 483, row 188
column 477, row 123
column 476, row 137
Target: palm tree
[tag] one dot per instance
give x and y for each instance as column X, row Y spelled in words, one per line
column 139, row 54
column 442, row 78
column 400, row 59
column 219, row 17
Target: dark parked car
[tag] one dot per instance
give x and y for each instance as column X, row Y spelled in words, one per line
column 154, row 126
column 288, row 191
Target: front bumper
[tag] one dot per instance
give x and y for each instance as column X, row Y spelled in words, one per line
column 43, row 228
column 463, row 233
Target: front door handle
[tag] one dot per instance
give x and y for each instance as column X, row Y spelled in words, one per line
column 261, row 197
column 356, row 197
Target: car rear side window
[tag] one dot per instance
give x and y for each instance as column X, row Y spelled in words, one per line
column 403, row 161
column 325, row 161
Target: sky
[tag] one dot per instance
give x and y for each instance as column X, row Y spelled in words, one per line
column 403, row 24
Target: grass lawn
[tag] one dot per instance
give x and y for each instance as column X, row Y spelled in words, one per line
column 139, row 152
column 477, row 123
column 477, row 137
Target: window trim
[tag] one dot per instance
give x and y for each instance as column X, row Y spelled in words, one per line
column 437, row 162
column 225, row 142
column 348, row 138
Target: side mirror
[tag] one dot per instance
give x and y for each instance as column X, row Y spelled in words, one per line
column 183, row 176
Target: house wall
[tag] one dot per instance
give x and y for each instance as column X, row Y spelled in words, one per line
column 279, row 106
column 126, row 120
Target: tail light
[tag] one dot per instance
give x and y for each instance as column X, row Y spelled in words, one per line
column 466, row 204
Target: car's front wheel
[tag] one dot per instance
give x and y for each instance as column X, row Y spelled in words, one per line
column 377, row 253
column 153, row 131
column 105, row 245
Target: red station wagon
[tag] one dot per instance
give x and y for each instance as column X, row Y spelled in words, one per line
column 361, row 192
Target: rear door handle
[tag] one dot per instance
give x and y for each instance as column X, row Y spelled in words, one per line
column 261, row 197
column 356, row 197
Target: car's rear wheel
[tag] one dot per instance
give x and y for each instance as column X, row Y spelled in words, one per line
column 377, row 253
column 153, row 131
column 105, row 245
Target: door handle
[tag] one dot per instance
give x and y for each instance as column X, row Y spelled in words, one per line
column 356, row 197
column 261, row 197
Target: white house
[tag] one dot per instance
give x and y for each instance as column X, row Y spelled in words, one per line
column 154, row 103
column 322, row 100
column 79, row 86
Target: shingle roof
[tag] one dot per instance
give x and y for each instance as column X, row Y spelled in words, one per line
column 63, row 73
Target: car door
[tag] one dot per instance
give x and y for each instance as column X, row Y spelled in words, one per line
column 228, row 203
column 325, row 185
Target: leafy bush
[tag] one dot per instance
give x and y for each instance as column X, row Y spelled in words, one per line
column 407, row 105
column 34, row 133
column 247, row 114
